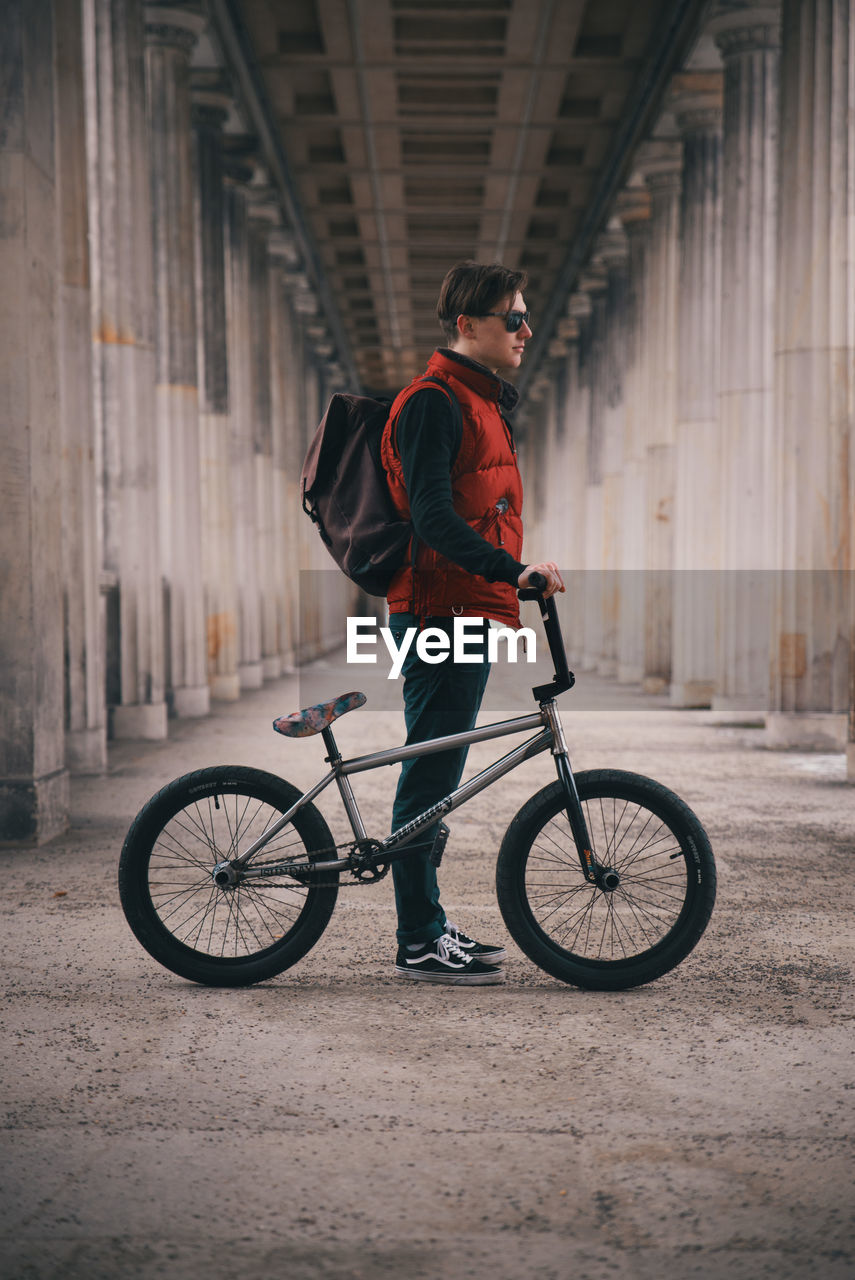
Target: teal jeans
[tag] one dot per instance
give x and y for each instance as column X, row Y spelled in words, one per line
column 439, row 698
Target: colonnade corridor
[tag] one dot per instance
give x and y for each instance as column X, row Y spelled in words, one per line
column 215, row 215
column 217, row 219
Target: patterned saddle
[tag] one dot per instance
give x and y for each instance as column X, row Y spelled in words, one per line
column 302, row 724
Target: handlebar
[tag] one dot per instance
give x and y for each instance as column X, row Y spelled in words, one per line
column 564, row 678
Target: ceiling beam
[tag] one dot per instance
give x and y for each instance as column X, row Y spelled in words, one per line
column 237, row 48
column 669, row 46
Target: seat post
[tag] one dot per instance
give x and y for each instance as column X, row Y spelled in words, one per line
column 333, row 753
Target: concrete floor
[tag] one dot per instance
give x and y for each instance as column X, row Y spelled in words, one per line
column 335, row 1122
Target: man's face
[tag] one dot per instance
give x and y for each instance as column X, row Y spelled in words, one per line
column 489, row 341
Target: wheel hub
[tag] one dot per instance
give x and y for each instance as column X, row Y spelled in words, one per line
column 607, row 879
column 224, row 875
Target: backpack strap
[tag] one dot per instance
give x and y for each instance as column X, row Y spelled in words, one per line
column 417, row 386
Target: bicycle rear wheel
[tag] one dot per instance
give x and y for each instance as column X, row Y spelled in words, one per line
column 607, row 939
column 234, row 935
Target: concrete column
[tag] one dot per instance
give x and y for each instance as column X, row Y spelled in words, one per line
column 574, row 412
column 660, row 162
column 210, row 109
column 85, row 692
column 552, row 427
column 287, row 464
column 593, row 349
column 241, row 445
column 613, row 251
column 815, row 378
column 33, row 779
column 261, row 370
column 633, row 208
column 697, row 499
column 123, row 356
column 171, row 32
column 748, row 38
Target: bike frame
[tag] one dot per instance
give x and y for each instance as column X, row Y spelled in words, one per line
column 550, row 736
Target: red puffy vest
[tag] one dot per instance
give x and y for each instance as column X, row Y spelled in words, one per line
column 487, row 492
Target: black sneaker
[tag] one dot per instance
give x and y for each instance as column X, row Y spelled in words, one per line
column 442, row 960
column 482, row 951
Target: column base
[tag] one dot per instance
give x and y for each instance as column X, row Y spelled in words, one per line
column 250, row 675
column 146, row 720
column 692, row 693
column 807, row 731
column 225, row 688
column 607, row 667
column 34, row 810
column 629, row 673
column 272, row 666
column 746, row 706
column 192, row 703
column 86, row 751
column 654, row 684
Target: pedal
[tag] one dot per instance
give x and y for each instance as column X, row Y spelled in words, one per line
column 439, row 843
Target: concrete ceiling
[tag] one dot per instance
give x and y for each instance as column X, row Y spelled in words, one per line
column 422, row 132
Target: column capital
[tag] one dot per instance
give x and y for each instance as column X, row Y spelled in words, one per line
column 697, row 100
column 211, row 97
column 579, row 306
column 240, row 151
column 262, row 205
column 612, row 246
column 594, row 278
column 305, row 302
column 175, row 26
column 633, row 206
column 282, row 245
column 660, row 161
column 740, row 26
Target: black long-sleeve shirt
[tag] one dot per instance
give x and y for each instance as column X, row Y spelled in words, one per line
column 428, row 437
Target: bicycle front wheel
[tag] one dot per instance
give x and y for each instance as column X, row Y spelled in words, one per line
column 607, row 939
column 238, row 934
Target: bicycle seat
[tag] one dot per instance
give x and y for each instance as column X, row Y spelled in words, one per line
column 302, row 724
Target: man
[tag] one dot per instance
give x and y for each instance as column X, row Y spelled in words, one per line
column 453, row 472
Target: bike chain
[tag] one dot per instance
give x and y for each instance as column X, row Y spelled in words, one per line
column 356, row 883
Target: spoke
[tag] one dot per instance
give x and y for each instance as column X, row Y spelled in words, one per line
column 179, row 900
column 178, row 853
column 195, row 830
column 245, row 917
column 268, row 901
column 647, row 908
column 186, row 926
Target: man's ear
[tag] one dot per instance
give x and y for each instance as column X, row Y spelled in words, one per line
column 465, row 327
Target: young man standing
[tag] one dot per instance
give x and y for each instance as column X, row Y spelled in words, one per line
column 452, row 470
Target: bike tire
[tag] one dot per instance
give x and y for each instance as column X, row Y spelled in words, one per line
column 598, row 939
column 223, row 937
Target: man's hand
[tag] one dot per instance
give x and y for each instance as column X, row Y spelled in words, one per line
column 550, row 571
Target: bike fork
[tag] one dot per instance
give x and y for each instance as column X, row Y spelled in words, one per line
column 575, row 814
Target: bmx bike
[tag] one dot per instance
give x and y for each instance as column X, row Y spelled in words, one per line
column 605, row 879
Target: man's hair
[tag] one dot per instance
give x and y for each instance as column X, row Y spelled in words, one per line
column 473, row 289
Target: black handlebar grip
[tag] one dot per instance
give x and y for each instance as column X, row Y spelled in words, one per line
column 537, row 583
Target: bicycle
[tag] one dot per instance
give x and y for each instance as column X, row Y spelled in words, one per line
column 605, row 880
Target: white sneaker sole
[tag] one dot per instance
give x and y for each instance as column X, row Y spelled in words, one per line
column 451, row 979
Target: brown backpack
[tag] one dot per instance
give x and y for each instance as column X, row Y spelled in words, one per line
column 346, row 494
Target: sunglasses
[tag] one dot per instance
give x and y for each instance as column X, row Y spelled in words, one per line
column 514, row 320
